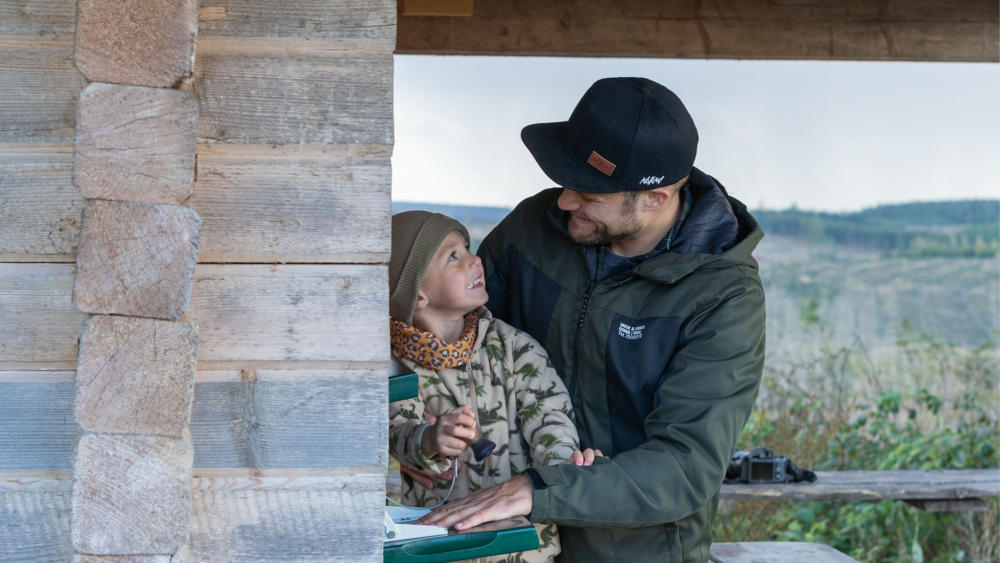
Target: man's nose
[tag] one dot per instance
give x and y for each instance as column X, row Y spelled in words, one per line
column 569, row 200
column 475, row 261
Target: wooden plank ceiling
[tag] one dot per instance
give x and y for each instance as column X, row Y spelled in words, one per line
column 875, row 30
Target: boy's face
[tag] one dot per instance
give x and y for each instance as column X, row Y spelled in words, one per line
column 454, row 279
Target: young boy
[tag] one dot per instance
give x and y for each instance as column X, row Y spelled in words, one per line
column 441, row 330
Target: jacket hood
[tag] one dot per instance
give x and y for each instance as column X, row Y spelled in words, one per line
column 719, row 232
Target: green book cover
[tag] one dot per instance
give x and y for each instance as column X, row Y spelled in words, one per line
column 495, row 538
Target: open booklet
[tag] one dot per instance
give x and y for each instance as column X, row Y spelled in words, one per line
column 440, row 545
column 399, row 527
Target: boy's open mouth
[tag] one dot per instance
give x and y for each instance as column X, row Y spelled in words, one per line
column 475, row 283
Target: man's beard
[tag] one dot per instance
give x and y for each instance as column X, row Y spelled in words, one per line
column 627, row 225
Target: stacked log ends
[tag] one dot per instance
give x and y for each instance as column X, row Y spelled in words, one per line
column 135, row 143
column 134, row 161
column 136, row 259
column 131, row 494
column 136, row 42
column 135, row 376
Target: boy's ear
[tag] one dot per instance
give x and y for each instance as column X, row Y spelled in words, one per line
column 422, row 301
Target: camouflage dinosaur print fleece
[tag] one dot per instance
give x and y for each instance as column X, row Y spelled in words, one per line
column 521, row 405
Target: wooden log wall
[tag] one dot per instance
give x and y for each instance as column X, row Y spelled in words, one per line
column 288, row 297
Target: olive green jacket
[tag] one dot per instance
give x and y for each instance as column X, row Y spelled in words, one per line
column 662, row 358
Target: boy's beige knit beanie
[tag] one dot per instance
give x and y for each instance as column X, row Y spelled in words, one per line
column 416, row 236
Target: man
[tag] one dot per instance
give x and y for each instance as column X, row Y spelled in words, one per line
column 637, row 277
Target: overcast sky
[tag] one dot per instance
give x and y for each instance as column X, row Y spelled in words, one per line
column 835, row 136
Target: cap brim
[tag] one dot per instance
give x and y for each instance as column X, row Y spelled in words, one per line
column 544, row 141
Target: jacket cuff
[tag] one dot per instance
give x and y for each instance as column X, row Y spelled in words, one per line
column 437, row 466
column 541, row 479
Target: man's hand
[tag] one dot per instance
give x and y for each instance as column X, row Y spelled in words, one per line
column 586, row 457
column 450, row 434
column 506, row 500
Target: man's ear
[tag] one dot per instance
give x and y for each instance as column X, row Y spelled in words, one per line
column 422, row 301
column 656, row 198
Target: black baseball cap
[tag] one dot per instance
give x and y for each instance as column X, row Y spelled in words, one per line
column 626, row 134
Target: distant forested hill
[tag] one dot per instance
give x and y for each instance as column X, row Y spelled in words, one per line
column 967, row 228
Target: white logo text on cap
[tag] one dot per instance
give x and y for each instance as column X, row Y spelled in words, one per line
column 650, row 180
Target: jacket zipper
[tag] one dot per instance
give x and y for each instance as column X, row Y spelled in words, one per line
column 576, row 341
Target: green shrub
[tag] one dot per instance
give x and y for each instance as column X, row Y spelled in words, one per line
column 832, row 413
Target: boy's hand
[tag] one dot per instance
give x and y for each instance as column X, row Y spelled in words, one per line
column 450, row 434
column 427, row 478
column 586, row 457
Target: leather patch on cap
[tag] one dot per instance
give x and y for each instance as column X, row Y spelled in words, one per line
column 601, row 163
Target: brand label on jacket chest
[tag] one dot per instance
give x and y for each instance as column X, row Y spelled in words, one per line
column 630, row 332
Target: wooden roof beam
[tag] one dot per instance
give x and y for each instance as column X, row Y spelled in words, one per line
column 878, row 30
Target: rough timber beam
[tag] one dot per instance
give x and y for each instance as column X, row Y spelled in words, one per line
column 876, row 30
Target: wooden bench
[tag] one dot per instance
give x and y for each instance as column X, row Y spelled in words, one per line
column 933, row 491
column 776, row 552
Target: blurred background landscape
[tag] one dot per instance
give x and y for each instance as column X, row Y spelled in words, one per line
column 876, row 185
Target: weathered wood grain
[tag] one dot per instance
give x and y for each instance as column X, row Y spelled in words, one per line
column 293, row 100
column 245, row 315
column 858, row 30
column 243, row 519
column 264, row 419
column 285, row 210
column 135, row 375
column 131, row 494
column 274, row 204
column 34, row 527
column 776, row 552
column 39, row 207
column 39, row 88
column 276, row 423
column 136, row 42
column 136, row 259
column 370, row 23
column 941, row 484
column 271, row 91
column 436, row 8
column 135, row 143
column 38, row 430
column 288, row 210
column 360, row 477
column 250, row 526
column 291, row 313
column 38, row 17
column 40, row 322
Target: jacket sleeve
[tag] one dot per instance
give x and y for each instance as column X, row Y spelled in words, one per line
column 544, row 411
column 406, row 428
column 704, row 403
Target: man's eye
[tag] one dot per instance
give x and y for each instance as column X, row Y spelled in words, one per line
column 452, row 256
